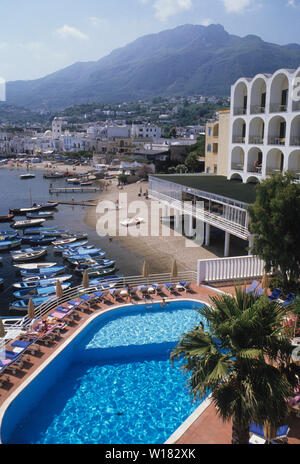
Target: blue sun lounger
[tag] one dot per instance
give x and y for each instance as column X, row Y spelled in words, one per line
column 275, row 294
column 252, row 287
column 258, row 430
column 289, row 299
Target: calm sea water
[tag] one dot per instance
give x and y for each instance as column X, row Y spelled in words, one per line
column 17, row 193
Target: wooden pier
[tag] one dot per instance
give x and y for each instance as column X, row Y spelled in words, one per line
column 74, row 189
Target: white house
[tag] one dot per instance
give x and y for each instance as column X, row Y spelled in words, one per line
column 265, row 126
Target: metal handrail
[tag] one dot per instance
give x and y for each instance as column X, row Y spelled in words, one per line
column 75, row 292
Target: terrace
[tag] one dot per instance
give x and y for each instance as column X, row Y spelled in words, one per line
column 205, row 427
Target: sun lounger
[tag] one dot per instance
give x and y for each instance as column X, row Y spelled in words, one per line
column 143, row 290
column 282, row 432
column 289, row 299
column 170, row 287
column 252, row 287
column 4, row 378
column 275, row 294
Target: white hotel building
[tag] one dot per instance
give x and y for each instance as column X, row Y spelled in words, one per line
column 265, row 126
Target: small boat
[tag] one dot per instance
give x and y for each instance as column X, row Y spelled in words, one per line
column 9, row 244
column 65, row 241
column 76, row 257
column 34, row 265
column 27, row 293
column 37, row 240
column 69, row 246
column 27, row 250
column 27, row 176
column 8, row 233
column 132, row 222
column 21, row 305
column 40, row 214
column 29, row 256
column 48, row 205
column 99, row 267
column 26, row 223
column 38, row 230
column 100, row 272
column 86, row 184
column 112, row 279
column 38, row 281
column 90, row 261
column 7, row 218
column 82, row 251
column 43, row 271
column 24, row 211
column 13, row 236
column 74, row 181
column 53, row 175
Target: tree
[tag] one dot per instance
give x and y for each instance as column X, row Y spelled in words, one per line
column 192, row 162
column 181, row 168
column 235, row 358
column 275, row 219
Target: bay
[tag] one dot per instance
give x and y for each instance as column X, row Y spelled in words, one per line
column 17, row 193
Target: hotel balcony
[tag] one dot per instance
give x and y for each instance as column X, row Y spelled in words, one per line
column 276, row 140
column 278, row 108
column 256, row 140
column 237, row 166
column 238, row 139
column 239, row 111
column 256, row 109
column 296, row 105
column 295, row 141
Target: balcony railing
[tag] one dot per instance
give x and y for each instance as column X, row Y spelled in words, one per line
column 256, row 140
column 276, row 140
column 256, row 109
column 277, row 108
column 237, row 166
column 238, row 139
column 239, row 111
column 253, row 169
column 295, row 141
column 272, row 171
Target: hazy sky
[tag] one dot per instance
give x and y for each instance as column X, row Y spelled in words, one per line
column 39, row 37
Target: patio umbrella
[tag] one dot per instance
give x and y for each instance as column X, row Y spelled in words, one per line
column 30, row 309
column 2, row 330
column 85, row 280
column 265, row 282
column 174, row 270
column 145, row 270
column 270, row 431
column 59, row 290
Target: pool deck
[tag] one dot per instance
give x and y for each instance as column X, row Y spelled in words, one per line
column 208, row 428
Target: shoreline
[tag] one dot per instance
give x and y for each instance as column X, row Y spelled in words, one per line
column 159, row 251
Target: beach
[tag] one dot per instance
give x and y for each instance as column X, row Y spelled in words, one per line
column 158, row 251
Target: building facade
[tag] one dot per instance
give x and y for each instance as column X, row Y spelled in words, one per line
column 264, row 126
column 217, row 144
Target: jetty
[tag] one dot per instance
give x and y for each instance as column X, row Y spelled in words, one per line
column 73, row 189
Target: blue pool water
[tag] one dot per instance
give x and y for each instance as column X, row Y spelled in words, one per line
column 118, row 386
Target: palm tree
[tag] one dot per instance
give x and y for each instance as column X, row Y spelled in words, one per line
column 243, row 360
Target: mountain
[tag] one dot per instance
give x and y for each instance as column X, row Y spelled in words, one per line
column 187, row 60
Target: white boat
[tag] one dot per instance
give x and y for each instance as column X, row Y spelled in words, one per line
column 34, row 265
column 27, row 223
column 66, row 241
column 9, row 244
column 29, row 256
column 27, row 176
column 38, row 280
column 132, row 222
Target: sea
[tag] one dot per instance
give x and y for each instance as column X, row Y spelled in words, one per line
column 18, row 193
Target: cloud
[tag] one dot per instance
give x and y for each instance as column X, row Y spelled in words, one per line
column 166, row 8
column 237, row 6
column 97, row 21
column 69, row 31
column 207, row 22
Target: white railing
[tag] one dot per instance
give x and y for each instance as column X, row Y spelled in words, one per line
column 234, row 221
column 13, row 329
column 224, row 269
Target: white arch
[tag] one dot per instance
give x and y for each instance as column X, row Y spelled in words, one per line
column 255, row 160
column 257, row 90
column 236, row 176
column 275, row 137
column 280, row 82
column 240, row 97
column 274, row 161
column 237, row 159
column 294, row 162
column 295, row 131
column 238, row 131
column 252, row 180
column 256, row 130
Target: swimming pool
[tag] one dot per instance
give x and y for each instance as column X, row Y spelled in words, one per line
column 113, row 384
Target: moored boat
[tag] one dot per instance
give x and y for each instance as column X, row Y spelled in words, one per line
column 37, row 239
column 24, row 211
column 9, row 244
column 48, row 205
column 65, row 241
column 27, row 176
column 27, row 283
column 100, row 272
column 43, row 271
column 27, row 293
column 34, row 266
column 29, row 255
column 7, row 218
column 40, row 279
column 21, row 305
column 40, row 214
column 27, row 223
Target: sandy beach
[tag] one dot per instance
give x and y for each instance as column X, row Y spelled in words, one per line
column 158, row 251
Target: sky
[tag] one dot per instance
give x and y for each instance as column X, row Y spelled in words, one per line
column 40, row 37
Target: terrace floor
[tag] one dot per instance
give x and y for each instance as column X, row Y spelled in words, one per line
column 208, row 428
